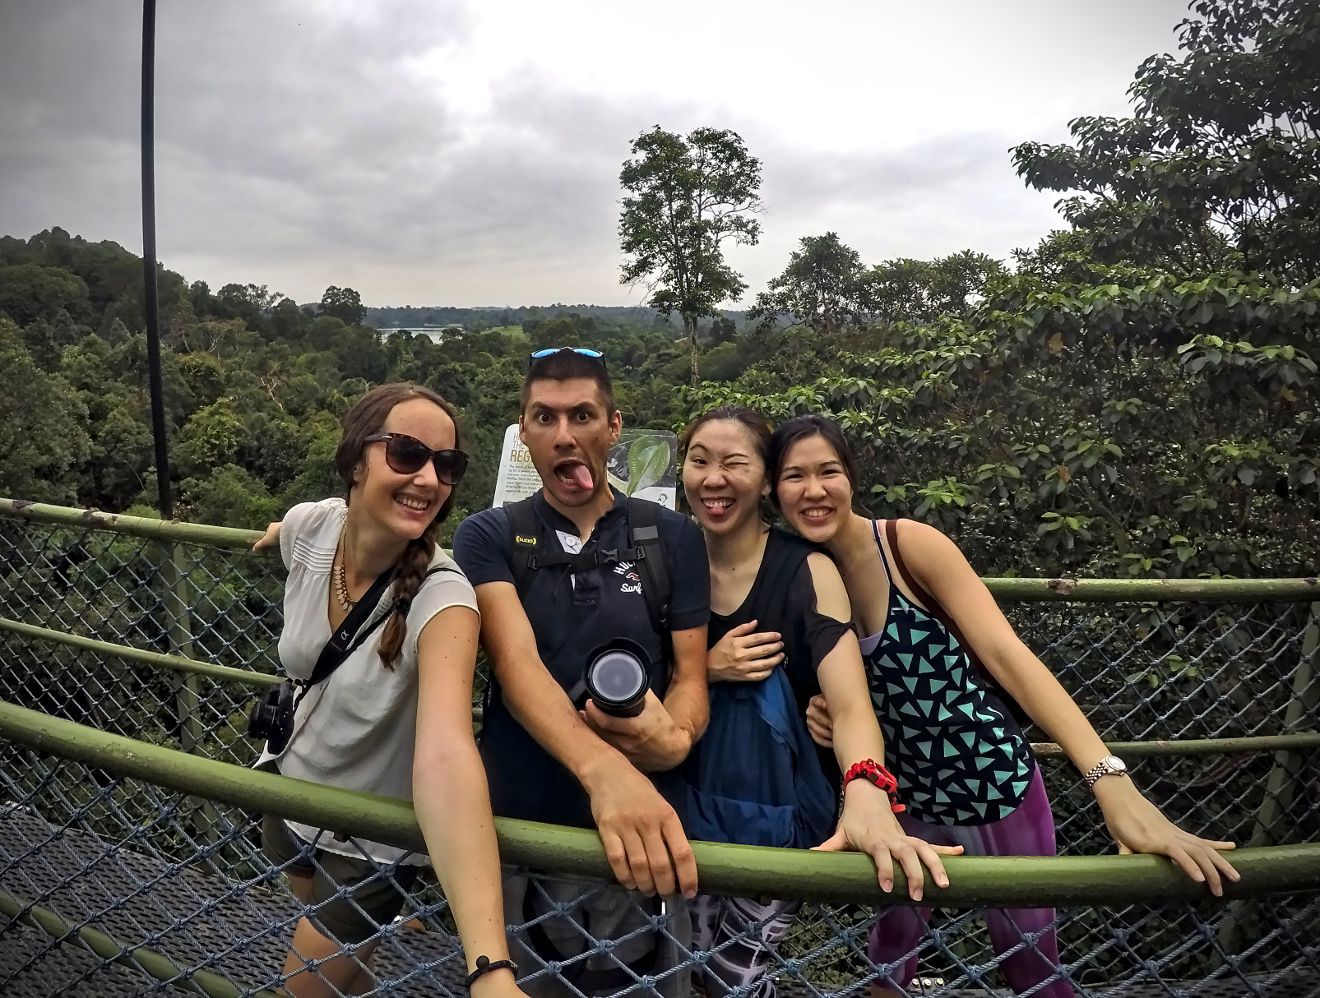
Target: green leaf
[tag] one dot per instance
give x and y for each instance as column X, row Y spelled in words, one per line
column 648, row 461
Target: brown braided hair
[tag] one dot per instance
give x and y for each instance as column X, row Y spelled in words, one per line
column 367, row 416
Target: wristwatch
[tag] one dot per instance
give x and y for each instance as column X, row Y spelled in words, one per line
column 1110, row 765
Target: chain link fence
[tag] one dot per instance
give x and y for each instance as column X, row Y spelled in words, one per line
column 111, row 861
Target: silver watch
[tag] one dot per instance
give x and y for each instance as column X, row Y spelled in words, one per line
column 1110, row 765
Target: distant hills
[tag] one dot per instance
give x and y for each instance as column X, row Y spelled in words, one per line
column 417, row 316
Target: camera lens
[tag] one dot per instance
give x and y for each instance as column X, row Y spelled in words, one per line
column 617, row 681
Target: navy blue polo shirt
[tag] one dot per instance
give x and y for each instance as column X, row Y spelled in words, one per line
column 572, row 614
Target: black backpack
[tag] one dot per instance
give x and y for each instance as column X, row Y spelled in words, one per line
column 646, row 549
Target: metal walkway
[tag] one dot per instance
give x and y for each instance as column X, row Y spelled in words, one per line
column 176, row 910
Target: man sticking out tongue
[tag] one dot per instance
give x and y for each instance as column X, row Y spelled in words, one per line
column 576, row 476
column 553, row 757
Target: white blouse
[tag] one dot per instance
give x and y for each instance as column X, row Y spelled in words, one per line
column 357, row 729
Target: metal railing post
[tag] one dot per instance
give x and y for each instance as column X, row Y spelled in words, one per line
column 187, row 685
column 177, row 602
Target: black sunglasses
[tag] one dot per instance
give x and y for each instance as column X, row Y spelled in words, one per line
column 407, row 455
column 545, row 352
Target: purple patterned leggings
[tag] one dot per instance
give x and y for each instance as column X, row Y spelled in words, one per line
column 1028, row 831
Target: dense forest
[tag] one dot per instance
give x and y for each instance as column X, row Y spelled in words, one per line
column 1134, row 396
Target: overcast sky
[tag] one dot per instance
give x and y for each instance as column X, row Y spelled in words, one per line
column 467, row 153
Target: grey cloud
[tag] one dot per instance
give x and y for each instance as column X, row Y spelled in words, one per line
column 299, row 150
column 885, row 175
column 269, row 119
column 929, row 198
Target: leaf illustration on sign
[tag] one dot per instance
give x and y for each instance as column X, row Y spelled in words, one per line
column 648, row 460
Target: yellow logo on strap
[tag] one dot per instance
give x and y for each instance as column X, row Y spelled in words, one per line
column 524, row 539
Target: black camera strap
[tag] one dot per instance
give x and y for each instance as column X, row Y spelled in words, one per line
column 341, row 643
column 345, row 640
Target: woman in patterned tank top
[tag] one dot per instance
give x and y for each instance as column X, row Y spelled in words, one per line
column 964, row 768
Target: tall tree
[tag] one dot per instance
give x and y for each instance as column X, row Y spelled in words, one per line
column 684, row 197
column 1216, row 168
column 343, row 304
column 30, row 291
column 824, row 286
column 249, row 302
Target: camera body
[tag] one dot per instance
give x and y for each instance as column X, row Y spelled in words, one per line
column 271, row 719
column 617, row 678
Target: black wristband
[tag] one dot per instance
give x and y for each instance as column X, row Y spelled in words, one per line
column 485, row 965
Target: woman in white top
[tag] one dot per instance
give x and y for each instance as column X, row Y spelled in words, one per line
column 395, row 717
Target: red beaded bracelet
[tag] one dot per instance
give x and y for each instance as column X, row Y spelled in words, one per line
column 873, row 772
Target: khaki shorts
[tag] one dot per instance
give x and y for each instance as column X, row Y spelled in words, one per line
column 350, row 898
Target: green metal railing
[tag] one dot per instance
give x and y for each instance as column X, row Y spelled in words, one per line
column 131, row 648
column 724, row 869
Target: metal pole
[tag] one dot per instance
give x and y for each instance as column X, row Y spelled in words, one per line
column 151, row 301
column 1281, row 784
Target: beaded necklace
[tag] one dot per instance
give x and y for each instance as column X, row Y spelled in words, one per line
column 341, row 583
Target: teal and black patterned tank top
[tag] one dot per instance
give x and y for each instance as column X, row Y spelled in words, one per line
column 959, row 756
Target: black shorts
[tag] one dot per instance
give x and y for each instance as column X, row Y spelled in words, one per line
column 562, row 920
column 351, row 897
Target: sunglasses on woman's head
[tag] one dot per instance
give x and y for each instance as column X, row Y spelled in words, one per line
column 407, row 455
column 587, row 352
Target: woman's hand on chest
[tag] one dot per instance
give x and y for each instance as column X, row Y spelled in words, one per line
column 744, row 655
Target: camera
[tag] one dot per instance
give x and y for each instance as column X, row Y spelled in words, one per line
column 271, row 718
column 618, row 677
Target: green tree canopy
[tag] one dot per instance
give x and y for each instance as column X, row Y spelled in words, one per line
column 906, row 290
column 825, row 286
column 1132, row 424
column 42, row 433
column 1216, row 168
column 343, row 304
column 30, row 291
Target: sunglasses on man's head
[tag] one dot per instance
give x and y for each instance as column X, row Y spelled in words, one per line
column 407, row 455
column 587, row 352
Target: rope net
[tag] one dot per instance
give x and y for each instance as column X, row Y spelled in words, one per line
column 111, row 885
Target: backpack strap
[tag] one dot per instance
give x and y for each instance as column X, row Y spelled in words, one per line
column 918, row 590
column 784, row 562
column 927, row 600
column 783, row 559
column 524, row 538
column 649, row 553
column 923, row 595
